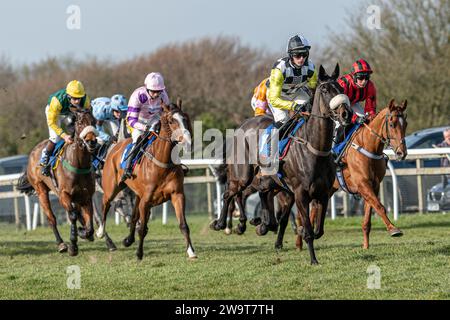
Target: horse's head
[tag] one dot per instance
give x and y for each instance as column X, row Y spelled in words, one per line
column 85, row 132
column 332, row 101
column 395, row 124
column 177, row 123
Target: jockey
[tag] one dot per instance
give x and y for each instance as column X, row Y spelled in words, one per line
column 144, row 110
column 358, row 87
column 59, row 104
column 110, row 110
column 292, row 81
column 259, row 99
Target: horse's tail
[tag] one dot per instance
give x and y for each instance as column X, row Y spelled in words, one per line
column 221, row 170
column 24, row 186
column 221, row 173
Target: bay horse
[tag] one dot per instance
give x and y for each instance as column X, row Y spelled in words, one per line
column 75, row 184
column 156, row 179
column 308, row 167
column 365, row 165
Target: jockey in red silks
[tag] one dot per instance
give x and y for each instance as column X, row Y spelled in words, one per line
column 358, row 87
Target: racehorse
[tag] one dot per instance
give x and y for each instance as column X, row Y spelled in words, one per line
column 156, row 179
column 75, row 184
column 365, row 164
column 308, row 167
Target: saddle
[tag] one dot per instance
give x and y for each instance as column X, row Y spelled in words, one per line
column 148, row 140
column 285, row 137
column 54, row 158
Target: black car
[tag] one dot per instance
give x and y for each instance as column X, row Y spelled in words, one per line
column 438, row 198
column 422, row 139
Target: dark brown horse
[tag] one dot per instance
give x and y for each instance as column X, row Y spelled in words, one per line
column 156, row 179
column 75, row 184
column 308, row 167
column 365, row 166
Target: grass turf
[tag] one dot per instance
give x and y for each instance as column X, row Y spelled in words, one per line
column 415, row 266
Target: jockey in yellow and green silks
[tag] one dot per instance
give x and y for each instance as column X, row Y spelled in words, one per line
column 58, row 106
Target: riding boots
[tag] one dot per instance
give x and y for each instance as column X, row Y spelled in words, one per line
column 46, row 154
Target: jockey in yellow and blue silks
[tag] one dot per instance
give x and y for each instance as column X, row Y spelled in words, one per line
column 108, row 112
column 292, row 81
column 58, row 106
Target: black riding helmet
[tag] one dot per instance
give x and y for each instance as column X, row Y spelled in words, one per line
column 297, row 45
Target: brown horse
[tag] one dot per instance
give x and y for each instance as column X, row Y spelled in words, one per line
column 156, row 179
column 75, row 184
column 365, row 166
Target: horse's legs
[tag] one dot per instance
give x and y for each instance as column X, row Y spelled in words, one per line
column 370, row 195
column 228, row 196
column 87, row 212
column 286, row 201
column 109, row 193
column 367, row 224
column 302, row 200
column 299, row 240
column 317, row 218
column 144, row 214
column 128, row 241
column 242, row 226
column 178, row 202
column 268, row 221
column 42, row 192
column 231, row 208
column 66, row 202
column 98, row 220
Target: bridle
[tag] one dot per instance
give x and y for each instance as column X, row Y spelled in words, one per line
column 331, row 113
column 385, row 126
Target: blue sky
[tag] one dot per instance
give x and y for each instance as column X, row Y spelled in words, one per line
column 33, row 30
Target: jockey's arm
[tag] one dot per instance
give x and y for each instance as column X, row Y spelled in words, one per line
column 312, row 82
column 371, row 101
column 53, row 113
column 274, row 95
column 102, row 135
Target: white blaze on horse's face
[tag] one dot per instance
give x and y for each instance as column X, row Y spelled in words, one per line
column 181, row 132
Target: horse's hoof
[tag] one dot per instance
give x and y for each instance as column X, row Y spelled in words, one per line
column 395, row 232
column 139, row 255
column 255, row 221
column 111, row 246
column 73, row 250
column 240, row 229
column 100, row 232
column 278, row 246
column 261, row 230
column 215, row 225
column 127, row 242
column 193, row 258
column 314, row 262
column 228, row 231
column 62, row 247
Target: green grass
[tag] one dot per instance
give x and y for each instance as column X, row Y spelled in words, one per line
column 415, row 266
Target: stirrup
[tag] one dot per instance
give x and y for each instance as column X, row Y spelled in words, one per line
column 45, row 170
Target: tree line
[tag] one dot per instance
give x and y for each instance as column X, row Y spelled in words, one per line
column 215, row 77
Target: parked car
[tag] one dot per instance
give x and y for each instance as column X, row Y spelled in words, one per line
column 438, row 198
column 14, row 164
column 422, row 139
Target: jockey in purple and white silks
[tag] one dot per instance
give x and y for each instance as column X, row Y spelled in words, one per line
column 144, row 110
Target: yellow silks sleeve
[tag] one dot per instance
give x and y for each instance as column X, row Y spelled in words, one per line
column 87, row 103
column 274, row 96
column 52, row 116
column 312, row 82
